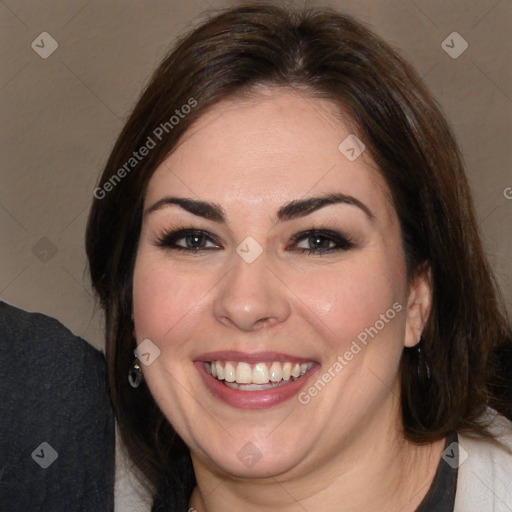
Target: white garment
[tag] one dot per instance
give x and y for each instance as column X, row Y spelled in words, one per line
column 130, row 495
column 485, row 478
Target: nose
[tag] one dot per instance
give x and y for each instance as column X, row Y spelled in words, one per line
column 251, row 296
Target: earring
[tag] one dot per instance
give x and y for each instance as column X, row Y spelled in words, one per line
column 422, row 361
column 135, row 374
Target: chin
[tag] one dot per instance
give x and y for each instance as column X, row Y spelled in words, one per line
column 249, row 461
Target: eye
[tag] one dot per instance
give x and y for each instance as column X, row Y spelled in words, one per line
column 196, row 240
column 323, row 241
column 191, row 240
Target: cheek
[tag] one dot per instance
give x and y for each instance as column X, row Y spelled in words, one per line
column 164, row 299
column 352, row 298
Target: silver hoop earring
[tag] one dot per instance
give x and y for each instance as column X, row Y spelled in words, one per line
column 135, row 374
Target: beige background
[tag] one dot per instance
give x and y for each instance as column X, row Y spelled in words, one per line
column 61, row 115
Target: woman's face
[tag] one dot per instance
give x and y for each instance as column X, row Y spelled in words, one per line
column 244, row 296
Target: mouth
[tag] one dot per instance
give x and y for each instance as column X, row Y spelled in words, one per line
column 254, row 381
column 256, row 377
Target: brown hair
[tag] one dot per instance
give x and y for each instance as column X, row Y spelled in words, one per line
column 330, row 55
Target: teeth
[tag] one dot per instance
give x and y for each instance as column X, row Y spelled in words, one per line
column 229, row 372
column 220, row 370
column 253, row 387
column 243, row 373
column 259, row 376
column 276, row 372
column 287, row 371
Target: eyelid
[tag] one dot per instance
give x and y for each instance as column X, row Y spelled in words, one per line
column 181, row 232
column 342, row 240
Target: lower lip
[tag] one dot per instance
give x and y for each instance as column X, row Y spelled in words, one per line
column 253, row 399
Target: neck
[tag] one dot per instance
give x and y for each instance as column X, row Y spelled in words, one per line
column 375, row 470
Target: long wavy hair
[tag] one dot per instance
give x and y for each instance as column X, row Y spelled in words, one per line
column 332, row 56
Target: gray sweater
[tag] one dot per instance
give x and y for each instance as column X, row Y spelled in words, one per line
column 56, row 420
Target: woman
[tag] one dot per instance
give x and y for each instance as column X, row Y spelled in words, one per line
column 285, row 232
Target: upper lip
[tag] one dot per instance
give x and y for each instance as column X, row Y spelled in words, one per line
column 252, row 357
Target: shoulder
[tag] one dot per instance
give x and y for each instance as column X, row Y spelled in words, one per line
column 485, row 470
column 45, row 366
column 56, row 399
column 32, row 335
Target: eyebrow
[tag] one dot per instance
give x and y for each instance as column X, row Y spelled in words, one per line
column 292, row 210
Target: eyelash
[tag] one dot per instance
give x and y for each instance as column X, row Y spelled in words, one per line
column 344, row 243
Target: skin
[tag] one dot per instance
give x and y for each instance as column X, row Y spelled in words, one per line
column 344, row 450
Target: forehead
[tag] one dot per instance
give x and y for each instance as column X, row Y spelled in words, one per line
column 277, row 145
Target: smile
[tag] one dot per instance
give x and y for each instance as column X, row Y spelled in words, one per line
column 255, row 377
column 254, row 381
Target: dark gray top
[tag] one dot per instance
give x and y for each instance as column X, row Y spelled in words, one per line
column 441, row 496
column 56, row 421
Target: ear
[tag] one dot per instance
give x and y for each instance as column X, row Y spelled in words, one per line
column 418, row 305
